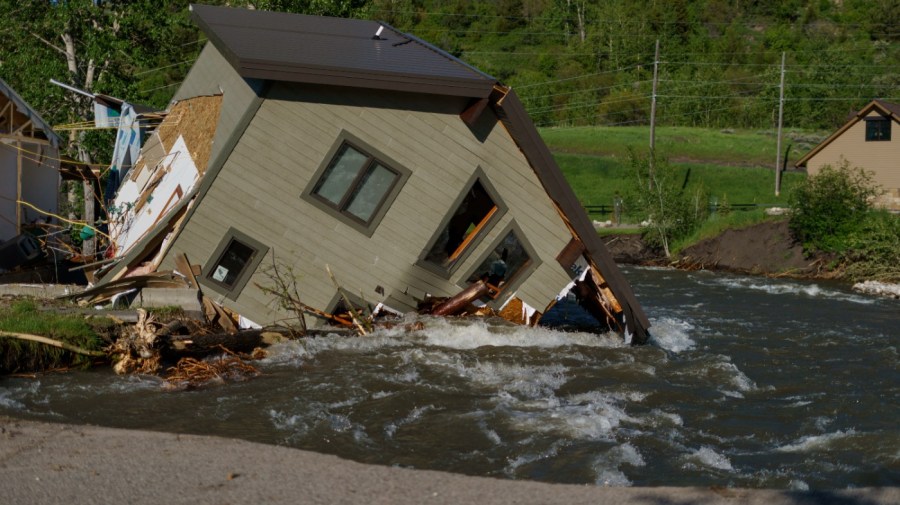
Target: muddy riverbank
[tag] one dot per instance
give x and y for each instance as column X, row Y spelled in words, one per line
column 763, row 249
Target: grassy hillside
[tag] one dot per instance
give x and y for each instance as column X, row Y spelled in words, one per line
column 735, row 166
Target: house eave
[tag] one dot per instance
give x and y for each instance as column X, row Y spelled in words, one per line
column 859, row 116
column 383, row 81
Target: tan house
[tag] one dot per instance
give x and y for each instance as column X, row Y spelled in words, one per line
column 349, row 145
column 865, row 141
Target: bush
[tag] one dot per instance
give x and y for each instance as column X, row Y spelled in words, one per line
column 659, row 196
column 874, row 249
column 827, row 208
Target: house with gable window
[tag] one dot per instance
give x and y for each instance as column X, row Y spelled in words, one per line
column 347, row 145
column 870, row 139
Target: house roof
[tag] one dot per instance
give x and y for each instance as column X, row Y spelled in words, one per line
column 886, row 109
column 346, row 52
column 116, row 103
column 274, row 46
column 23, row 108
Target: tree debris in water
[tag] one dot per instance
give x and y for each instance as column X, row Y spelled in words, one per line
column 137, row 351
column 191, row 373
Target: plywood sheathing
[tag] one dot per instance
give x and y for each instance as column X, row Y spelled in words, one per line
column 514, row 312
column 195, row 119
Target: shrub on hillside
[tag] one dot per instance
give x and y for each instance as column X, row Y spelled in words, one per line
column 829, row 207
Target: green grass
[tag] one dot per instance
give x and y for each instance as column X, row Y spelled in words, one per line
column 678, row 144
column 597, row 179
column 24, row 316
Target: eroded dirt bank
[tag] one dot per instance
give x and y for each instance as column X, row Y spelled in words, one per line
column 763, row 249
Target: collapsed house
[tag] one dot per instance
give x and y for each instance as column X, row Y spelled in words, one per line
column 346, row 146
column 29, row 179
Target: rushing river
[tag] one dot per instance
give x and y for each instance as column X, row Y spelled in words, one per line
column 749, row 382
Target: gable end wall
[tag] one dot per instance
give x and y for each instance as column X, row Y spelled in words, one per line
column 880, row 157
column 258, row 192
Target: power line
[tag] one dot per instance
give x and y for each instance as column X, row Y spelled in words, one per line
column 580, row 77
column 581, row 105
column 588, row 90
column 165, row 66
column 749, row 23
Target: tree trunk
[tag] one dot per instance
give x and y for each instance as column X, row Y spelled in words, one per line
column 458, row 303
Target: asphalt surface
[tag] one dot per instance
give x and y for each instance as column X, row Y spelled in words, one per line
column 42, row 463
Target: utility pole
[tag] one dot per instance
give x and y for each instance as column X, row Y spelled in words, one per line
column 653, row 113
column 780, row 118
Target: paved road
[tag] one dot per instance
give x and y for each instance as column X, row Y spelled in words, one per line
column 49, row 464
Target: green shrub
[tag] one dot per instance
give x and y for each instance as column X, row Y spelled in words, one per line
column 828, row 207
column 874, row 248
column 660, row 197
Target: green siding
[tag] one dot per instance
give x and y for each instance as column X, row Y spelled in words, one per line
column 258, row 192
column 213, row 75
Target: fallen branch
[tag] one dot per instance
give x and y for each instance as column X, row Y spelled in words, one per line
column 55, row 343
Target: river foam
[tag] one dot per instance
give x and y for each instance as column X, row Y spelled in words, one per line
column 777, row 287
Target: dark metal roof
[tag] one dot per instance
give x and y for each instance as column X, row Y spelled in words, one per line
column 345, row 52
column 893, row 108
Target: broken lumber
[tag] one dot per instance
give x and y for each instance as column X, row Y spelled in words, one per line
column 458, row 303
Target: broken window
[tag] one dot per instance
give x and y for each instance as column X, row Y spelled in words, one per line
column 503, row 265
column 356, row 184
column 878, row 128
column 468, row 222
column 233, row 263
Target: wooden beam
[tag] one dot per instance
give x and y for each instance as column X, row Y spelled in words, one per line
column 473, row 111
column 6, row 109
column 18, row 188
column 25, row 140
column 26, row 124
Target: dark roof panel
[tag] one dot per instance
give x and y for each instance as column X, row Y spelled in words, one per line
column 893, row 108
column 300, row 48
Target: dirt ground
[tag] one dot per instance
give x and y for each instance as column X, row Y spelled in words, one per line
column 763, row 249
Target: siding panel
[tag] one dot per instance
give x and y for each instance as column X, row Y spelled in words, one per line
column 259, row 192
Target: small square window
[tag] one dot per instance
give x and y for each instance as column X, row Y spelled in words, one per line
column 878, row 129
column 234, row 260
column 233, row 263
column 503, row 265
column 356, row 184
